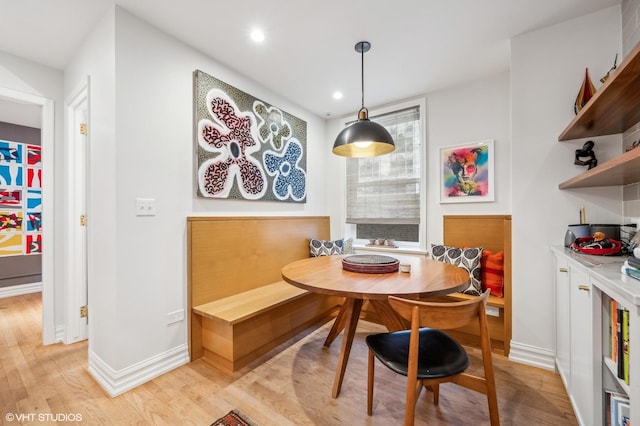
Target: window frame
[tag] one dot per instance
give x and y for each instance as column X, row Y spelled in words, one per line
column 350, row 228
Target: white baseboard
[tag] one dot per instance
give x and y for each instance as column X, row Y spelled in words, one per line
column 531, row 355
column 118, row 382
column 18, row 290
column 60, row 333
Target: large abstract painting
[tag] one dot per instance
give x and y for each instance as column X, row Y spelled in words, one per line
column 245, row 147
column 20, row 199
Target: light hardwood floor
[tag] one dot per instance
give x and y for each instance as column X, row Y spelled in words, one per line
column 292, row 387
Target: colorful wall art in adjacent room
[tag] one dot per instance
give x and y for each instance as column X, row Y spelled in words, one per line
column 246, row 148
column 20, row 199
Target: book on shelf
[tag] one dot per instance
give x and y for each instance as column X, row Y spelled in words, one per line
column 617, row 408
column 634, row 262
column 619, row 339
column 633, row 273
column 625, row 345
column 623, row 414
column 614, row 330
column 629, row 270
column 620, row 343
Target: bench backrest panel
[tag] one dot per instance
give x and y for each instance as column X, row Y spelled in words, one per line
column 493, row 232
column 229, row 255
column 488, row 231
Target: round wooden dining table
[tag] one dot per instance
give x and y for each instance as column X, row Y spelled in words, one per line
column 325, row 275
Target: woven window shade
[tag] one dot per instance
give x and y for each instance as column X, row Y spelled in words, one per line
column 386, row 189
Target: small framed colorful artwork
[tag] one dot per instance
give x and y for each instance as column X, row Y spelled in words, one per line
column 466, row 173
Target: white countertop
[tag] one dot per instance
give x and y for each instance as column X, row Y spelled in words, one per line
column 606, row 271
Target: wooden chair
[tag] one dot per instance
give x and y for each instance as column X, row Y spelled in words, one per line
column 429, row 356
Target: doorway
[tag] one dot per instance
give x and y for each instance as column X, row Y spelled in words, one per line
column 48, row 231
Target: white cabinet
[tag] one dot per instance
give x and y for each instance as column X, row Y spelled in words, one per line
column 562, row 303
column 582, row 348
column 585, row 286
column 575, row 323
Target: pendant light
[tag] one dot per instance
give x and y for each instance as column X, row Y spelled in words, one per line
column 364, row 138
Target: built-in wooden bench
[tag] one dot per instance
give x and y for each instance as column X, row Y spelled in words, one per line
column 248, row 304
column 492, row 232
column 240, row 307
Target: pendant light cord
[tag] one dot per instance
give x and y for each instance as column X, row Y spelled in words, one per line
column 362, row 76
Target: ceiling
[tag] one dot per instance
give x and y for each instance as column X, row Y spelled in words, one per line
column 418, row 46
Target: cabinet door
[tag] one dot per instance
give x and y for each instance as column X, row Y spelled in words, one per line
column 563, row 343
column 581, row 346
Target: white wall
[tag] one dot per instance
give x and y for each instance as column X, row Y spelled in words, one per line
column 475, row 111
column 547, row 68
column 468, row 113
column 145, row 149
column 95, row 59
column 630, row 26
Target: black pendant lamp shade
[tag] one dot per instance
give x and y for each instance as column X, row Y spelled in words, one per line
column 364, row 138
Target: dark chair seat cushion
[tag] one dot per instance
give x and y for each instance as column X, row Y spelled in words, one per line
column 439, row 355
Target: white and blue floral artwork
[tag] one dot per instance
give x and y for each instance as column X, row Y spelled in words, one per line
column 246, row 148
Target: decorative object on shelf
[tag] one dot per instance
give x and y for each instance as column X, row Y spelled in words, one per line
column 606, row 76
column 466, row 173
column 586, row 156
column 382, row 242
column 370, row 264
column 364, row 138
column 587, row 90
column 246, row 148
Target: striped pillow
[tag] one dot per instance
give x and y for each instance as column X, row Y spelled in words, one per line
column 493, row 272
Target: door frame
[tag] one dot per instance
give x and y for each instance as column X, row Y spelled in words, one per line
column 47, row 136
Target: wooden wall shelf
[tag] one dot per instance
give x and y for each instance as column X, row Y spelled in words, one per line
column 615, row 107
column 622, row 170
column 612, row 110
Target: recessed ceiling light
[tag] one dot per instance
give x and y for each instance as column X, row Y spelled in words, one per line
column 337, row 95
column 257, row 36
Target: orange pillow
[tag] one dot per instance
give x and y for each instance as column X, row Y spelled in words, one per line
column 492, row 272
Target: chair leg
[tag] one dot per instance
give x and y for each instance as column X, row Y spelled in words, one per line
column 370, row 384
column 489, row 377
column 492, row 397
column 436, row 393
column 413, row 388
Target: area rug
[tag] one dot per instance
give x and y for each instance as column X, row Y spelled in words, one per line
column 232, row 418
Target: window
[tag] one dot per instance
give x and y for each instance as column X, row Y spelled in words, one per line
column 384, row 193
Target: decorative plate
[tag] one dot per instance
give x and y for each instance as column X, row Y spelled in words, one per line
column 370, row 264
